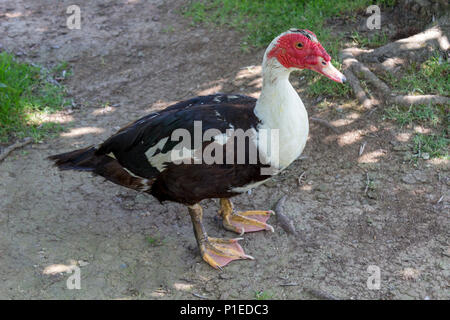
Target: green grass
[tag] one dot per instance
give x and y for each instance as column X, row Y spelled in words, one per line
column 154, row 241
column 436, row 118
column 62, row 70
column 263, row 295
column 429, row 77
column 376, row 40
column 25, row 96
column 433, row 116
column 436, row 145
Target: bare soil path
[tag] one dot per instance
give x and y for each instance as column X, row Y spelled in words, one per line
column 134, row 56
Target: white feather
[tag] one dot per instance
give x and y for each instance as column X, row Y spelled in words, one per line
column 280, row 107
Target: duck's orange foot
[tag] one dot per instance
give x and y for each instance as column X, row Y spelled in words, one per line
column 247, row 221
column 219, row 252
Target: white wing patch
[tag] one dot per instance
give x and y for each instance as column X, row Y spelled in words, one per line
column 159, row 146
column 158, row 160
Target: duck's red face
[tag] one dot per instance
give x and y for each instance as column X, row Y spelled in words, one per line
column 300, row 49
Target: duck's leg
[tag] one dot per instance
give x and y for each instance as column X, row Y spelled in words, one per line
column 245, row 221
column 215, row 251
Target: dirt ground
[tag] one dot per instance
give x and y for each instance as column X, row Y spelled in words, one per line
column 131, row 57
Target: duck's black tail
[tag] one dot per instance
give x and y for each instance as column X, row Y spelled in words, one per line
column 88, row 159
column 82, row 159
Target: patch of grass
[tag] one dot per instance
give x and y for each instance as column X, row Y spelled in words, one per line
column 154, row 241
column 168, row 29
column 376, row 40
column 437, row 118
column 436, row 145
column 387, row 3
column 429, row 77
column 62, row 69
column 25, row 97
column 263, row 295
column 423, row 114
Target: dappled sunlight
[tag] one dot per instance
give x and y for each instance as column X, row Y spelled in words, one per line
column 371, row 157
column 42, row 29
column 254, row 95
column 58, row 268
column 82, row 131
column 159, row 105
column 182, row 286
column 13, row 14
column 212, row 90
column 416, row 42
column 158, row 293
column 59, row 117
column 441, row 162
column 404, row 136
column 248, row 72
column 249, row 77
column 257, row 83
column 349, row 119
column 354, row 136
column 349, row 137
column 103, row 110
column 306, row 187
column 248, row 80
column 420, row 129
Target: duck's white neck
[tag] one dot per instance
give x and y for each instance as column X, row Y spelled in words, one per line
column 275, row 85
column 280, row 107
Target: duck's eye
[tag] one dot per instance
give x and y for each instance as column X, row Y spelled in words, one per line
column 299, row 45
column 324, row 62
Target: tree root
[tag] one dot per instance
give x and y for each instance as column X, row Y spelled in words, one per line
column 13, row 147
column 357, row 89
column 321, row 295
column 398, row 52
column 423, row 99
column 354, row 68
column 324, row 123
column 282, row 219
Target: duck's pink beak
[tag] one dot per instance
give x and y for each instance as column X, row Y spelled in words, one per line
column 329, row 71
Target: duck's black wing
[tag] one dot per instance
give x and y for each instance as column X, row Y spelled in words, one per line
column 134, row 145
